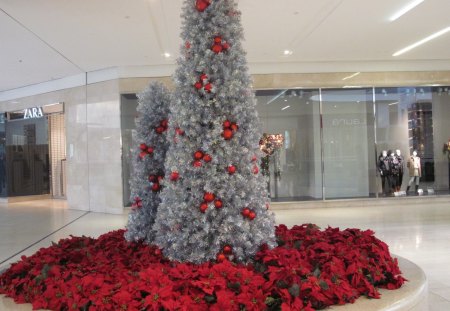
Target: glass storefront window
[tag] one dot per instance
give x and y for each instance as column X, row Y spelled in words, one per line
column 3, row 182
column 294, row 166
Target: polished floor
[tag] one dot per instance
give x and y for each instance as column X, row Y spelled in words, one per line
column 416, row 229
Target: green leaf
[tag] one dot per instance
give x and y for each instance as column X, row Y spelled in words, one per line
column 316, row 272
column 298, row 244
column 324, row 285
column 210, row 298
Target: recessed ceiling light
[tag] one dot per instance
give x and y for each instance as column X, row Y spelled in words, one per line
column 167, row 55
column 405, row 9
column 391, row 104
column 284, row 108
column 423, row 41
column 351, row 76
column 287, row 52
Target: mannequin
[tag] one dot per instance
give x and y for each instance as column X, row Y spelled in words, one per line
column 415, row 171
column 394, row 170
column 401, row 162
column 383, row 167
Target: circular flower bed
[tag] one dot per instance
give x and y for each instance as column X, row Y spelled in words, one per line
column 310, row 269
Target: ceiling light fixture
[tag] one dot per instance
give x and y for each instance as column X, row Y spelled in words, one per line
column 352, row 76
column 423, row 41
column 405, row 9
column 284, row 108
column 287, row 52
column 167, row 55
column 391, row 104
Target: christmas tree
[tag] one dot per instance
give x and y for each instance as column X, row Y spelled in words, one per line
column 148, row 163
column 214, row 204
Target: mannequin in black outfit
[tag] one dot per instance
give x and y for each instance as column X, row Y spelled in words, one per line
column 401, row 162
column 384, row 169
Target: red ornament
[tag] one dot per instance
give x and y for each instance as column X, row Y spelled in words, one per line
column 246, row 212
column 254, row 158
column 187, row 45
column 225, row 46
column 234, row 127
column 203, row 207
column 218, row 39
column 164, row 123
column 157, row 252
column 227, row 134
column 150, row 150
column 252, row 215
column 207, row 158
column 198, row 155
column 201, row 5
column 218, row 203
column 231, row 169
column 255, row 170
column 179, row 131
column 217, row 48
column 174, row 176
column 156, row 187
column 160, row 130
column 267, row 205
column 227, row 249
column 152, row 178
column 198, row 85
column 143, row 147
column 142, row 154
column 160, row 178
column 221, row 257
column 226, row 124
column 203, row 77
column 208, row 87
column 209, row 197
column 197, row 163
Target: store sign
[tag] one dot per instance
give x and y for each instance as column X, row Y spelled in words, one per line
column 33, row 113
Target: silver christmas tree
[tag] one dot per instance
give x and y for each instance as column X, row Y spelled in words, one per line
column 148, row 164
column 214, row 203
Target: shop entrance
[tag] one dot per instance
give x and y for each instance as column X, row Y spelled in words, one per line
column 35, row 152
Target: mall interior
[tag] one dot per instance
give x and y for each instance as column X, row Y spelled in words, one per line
column 338, row 94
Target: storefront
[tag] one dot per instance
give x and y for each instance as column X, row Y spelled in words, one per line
column 33, row 152
column 326, row 143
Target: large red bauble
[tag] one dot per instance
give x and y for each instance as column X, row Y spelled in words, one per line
column 164, row 123
column 252, row 215
column 201, row 5
column 174, row 176
column 226, row 124
column 187, row 45
column 142, row 154
column 156, row 187
column 217, row 48
column 179, row 131
column 203, row 77
column 150, row 150
column 227, row 134
column 160, row 177
column 253, row 158
column 207, row 158
column 198, row 155
column 218, row 203
column 157, row 252
column 152, row 178
column 203, row 207
column 227, row 249
column 246, row 212
column 234, row 127
column 221, row 257
column 225, row 46
column 218, row 39
column 255, row 170
column 198, row 85
column 143, row 147
column 209, row 197
column 197, row 163
column 231, row 169
column 139, row 203
column 160, row 130
column 208, row 87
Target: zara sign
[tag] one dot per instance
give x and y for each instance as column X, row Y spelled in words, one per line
column 33, row 113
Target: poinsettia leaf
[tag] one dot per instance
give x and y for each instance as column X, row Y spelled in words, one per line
column 316, row 272
column 294, row 290
column 282, row 284
column 298, row 244
column 323, row 285
column 210, row 299
column 236, row 287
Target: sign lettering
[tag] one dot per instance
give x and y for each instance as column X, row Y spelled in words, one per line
column 33, row 113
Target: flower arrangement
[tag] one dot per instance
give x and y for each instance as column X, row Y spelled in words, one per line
column 310, row 269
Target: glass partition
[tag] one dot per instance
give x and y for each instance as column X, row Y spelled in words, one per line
column 291, row 126
column 3, row 181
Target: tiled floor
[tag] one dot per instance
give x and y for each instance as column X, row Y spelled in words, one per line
column 418, row 230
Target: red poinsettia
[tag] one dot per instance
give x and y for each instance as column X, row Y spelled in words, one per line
column 310, row 269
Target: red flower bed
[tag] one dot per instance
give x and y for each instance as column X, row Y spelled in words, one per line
column 310, row 269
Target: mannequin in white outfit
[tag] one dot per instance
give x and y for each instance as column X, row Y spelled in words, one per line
column 415, row 171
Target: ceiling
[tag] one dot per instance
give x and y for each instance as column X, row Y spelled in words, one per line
column 44, row 40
